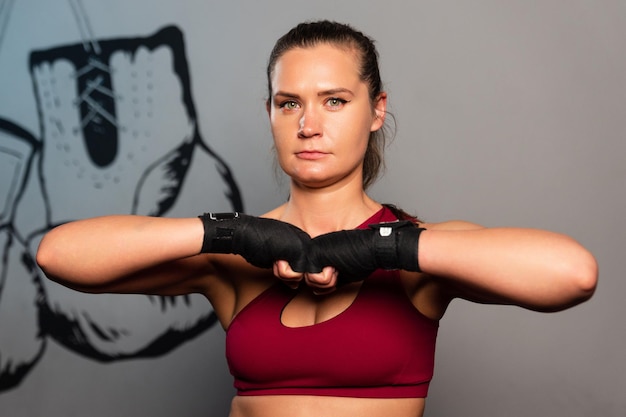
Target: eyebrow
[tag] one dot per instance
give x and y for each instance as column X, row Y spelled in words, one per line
column 329, row 92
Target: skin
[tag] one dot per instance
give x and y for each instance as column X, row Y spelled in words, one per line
column 321, row 116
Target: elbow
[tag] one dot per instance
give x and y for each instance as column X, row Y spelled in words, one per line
column 59, row 264
column 47, row 258
column 586, row 277
column 580, row 280
column 44, row 257
column 573, row 282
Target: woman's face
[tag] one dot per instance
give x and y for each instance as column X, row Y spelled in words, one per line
column 321, row 115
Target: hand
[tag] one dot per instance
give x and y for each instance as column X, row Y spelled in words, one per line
column 321, row 282
column 260, row 241
column 350, row 252
column 355, row 254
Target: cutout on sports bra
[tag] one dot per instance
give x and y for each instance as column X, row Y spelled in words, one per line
column 308, row 309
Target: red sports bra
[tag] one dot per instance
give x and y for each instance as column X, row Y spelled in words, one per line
column 381, row 346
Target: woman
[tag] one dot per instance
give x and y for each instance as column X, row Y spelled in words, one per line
column 349, row 326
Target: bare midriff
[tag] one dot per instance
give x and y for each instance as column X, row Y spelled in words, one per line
column 315, row 406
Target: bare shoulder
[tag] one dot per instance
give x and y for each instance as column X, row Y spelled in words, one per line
column 452, row 225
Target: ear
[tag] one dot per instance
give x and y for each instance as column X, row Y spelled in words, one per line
column 380, row 111
column 268, row 107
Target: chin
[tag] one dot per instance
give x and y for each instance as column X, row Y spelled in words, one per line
column 316, row 183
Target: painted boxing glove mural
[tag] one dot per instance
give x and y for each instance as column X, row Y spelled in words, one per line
column 21, row 344
column 119, row 134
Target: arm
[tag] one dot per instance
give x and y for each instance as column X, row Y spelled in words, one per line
column 535, row 269
column 160, row 255
column 124, row 254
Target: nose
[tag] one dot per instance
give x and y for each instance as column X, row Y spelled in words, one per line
column 309, row 124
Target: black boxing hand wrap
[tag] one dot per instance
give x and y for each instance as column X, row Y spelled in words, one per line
column 355, row 254
column 397, row 244
column 219, row 229
column 350, row 252
column 259, row 240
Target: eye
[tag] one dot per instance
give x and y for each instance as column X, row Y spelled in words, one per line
column 335, row 102
column 288, row 105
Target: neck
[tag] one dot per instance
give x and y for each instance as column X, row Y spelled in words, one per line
column 329, row 209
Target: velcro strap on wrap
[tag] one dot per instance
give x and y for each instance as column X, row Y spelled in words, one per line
column 218, row 232
column 386, row 243
column 396, row 245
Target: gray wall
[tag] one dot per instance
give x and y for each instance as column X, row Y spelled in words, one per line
column 508, row 113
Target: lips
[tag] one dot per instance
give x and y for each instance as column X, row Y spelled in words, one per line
column 311, row 155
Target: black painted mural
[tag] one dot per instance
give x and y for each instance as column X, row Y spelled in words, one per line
column 118, row 134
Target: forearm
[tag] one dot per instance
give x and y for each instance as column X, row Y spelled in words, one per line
column 98, row 251
column 532, row 268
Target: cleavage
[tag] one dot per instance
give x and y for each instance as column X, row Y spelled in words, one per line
column 308, row 309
